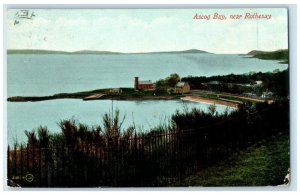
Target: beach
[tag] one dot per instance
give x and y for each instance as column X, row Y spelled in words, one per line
column 209, row 101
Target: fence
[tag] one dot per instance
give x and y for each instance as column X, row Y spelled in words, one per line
column 142, row 160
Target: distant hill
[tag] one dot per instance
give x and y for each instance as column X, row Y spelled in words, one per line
column 178, row 52
column 254, row 52
column 282, row 54
column 37, row 51
column 94, row 52
column 34, row 51
column 193, row 51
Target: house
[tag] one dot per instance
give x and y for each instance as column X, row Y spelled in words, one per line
column 259, row 83
column 267, row 94
column 115, row 91
column 214, row 85
column 182, row 87
column 257, row 88
column 250, row 94
column 146, row 85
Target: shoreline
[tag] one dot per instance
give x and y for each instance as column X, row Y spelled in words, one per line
column 88, row 98
column 110, row 97
column 210, row 101
column 103, row 94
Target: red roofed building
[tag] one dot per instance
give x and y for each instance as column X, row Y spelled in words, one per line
column 147, row 85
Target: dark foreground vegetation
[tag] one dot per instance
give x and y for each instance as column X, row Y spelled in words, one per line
column 108, row 156
column 263, row 163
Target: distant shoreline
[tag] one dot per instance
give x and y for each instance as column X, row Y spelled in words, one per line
column 95, row 52
column 100, row 95
column 92, row 95
column 45, row 98
column 118, row 97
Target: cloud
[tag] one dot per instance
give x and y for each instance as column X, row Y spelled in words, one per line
column 131, row 32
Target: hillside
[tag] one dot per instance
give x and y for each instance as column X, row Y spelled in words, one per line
column 37, row 51
column 94, row 52
column 184, row 51
column 34, row 51
column 282, row 55
column 265, row 163
column 255, row 52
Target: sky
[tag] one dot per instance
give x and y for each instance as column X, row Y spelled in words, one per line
column 147, row 30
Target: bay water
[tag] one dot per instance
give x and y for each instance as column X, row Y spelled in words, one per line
column 48, row 74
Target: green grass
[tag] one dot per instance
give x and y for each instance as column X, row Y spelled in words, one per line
column 263, row 164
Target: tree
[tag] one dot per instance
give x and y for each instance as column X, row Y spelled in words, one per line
column 69, row 130
column 212, row 109
column 161, row 84
column 31, row 137
column 43, row 135
column 112, row 127
column 173, row 79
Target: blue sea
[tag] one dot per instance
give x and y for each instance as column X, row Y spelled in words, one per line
column 48, row 74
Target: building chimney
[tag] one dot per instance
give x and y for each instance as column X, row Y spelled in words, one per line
column 136, row 83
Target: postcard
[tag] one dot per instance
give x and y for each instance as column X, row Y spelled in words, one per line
column 101, row 98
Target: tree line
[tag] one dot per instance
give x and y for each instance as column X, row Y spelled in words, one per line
column 276, row 81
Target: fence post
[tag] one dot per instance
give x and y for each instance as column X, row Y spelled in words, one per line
column 27, row 158
column 53, row 165
column 135, row 158
column 47, row 171
column 15, row 160
column 179, row 154
column 21, row 164
column 62, row 176
column 33, row 163
column 156, row 141
column 162, row 160
column 8, row 163
column 40, row 165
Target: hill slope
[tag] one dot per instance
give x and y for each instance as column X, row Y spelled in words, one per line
column 37, row 51
column 184, row 51
column 263, row 164
column 273, row 55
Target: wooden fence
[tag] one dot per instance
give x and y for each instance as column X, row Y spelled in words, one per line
column 142, row 160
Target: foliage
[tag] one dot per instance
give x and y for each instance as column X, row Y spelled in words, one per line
column 169, row 82
column 41, row 138
column 212, row 109
column 83, row 156
column 276, row 55
column 277, row 82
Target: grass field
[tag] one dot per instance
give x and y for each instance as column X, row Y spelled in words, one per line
column 264, row 164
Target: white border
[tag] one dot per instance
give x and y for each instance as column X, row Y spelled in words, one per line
column 293, row 18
